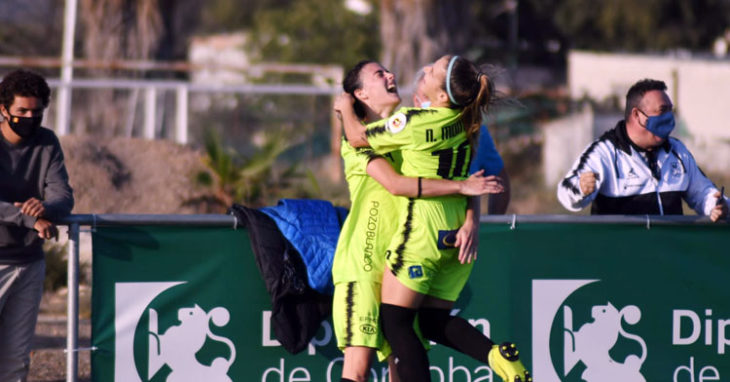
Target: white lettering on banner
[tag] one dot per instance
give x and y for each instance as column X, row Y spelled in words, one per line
column 301, row 374
column 332, row 364
column 702, row 375
column 266, row 337
column 292, row 377
column 320, row 342
column 483, row 322
column 696, row 329
column 677, row 315
column 453, row 373
column 331, row 377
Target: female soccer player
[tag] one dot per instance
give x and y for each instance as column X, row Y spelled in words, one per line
column 359, row 259
column 427, row 272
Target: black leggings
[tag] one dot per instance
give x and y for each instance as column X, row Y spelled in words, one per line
column 439, row 326
column 397, row 325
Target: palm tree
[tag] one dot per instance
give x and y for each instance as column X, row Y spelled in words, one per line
column 248, row 180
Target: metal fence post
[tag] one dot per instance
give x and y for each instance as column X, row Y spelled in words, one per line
column 67, row 57
column 72, row 313
column 181, row 115
column 150, row 112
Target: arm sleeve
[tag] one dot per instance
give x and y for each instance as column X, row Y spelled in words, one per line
column 487, row 158
column 11, row 215
column 592, row 159
column 700, row 194
column 57, row 193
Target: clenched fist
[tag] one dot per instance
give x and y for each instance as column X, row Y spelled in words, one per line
column 587, row 183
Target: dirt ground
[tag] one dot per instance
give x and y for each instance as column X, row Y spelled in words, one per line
column 48, row 359
column 132, row 175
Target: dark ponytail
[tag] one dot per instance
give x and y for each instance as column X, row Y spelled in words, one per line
column 471, row 90
column 352, row 82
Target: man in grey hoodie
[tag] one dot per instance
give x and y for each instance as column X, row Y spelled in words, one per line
column 34, row 192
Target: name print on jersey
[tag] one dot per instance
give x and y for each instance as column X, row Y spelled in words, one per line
column 370, row 236
column 447, row 132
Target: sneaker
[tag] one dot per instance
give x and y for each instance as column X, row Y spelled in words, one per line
column 504, row 360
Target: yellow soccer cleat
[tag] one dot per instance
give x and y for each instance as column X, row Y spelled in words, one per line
column 504, row 360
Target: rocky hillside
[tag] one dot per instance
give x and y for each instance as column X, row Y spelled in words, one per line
column 131, row 175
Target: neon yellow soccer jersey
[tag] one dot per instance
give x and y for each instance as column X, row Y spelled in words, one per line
column 433, row 144
column 371, row 222
column 432, row 141
column 359, row 260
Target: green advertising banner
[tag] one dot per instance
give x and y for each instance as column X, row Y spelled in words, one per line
column 584, row 302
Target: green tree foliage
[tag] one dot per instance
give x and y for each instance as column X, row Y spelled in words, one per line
column 221, row 16
column 30, row 27
column 253, row 180
column 548, row 28
column 57, row 266
column 653, row 25
column 315, row 31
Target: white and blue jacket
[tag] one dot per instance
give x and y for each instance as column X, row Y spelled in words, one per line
column 625, row 184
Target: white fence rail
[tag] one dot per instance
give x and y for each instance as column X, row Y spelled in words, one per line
column 326, row 80
column 182, row 91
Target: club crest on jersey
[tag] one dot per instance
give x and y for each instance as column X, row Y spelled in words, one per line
column 396, row 123
column 676, row 171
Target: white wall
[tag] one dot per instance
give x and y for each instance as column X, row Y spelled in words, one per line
column 699, row 88
column 564, row 140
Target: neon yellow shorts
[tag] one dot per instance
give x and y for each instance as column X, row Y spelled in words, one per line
column 422, row 255
column 356, row 314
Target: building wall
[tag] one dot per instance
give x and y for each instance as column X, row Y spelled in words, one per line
column 699, row 88
column 564, row 139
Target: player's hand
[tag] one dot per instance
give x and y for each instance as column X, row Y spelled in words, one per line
column 46, row 229
column 720, row 210
column 467, row 240
column 343, row 102
column 587, row 183
column 478, row 184
column 31, row 207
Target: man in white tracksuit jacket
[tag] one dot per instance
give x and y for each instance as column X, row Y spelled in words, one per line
column 637, row 169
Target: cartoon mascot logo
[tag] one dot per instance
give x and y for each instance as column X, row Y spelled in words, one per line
column 176, row 347
column 591, row 344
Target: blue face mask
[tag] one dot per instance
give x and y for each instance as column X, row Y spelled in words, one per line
column 660, row 125
column 425, row 104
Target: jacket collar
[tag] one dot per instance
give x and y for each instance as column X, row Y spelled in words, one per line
column 622, row 141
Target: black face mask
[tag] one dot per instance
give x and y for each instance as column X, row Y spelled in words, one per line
column 25, row 126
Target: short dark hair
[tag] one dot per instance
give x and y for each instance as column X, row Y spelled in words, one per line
column 352, row 82
column 23, row 83
column 637, row 91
